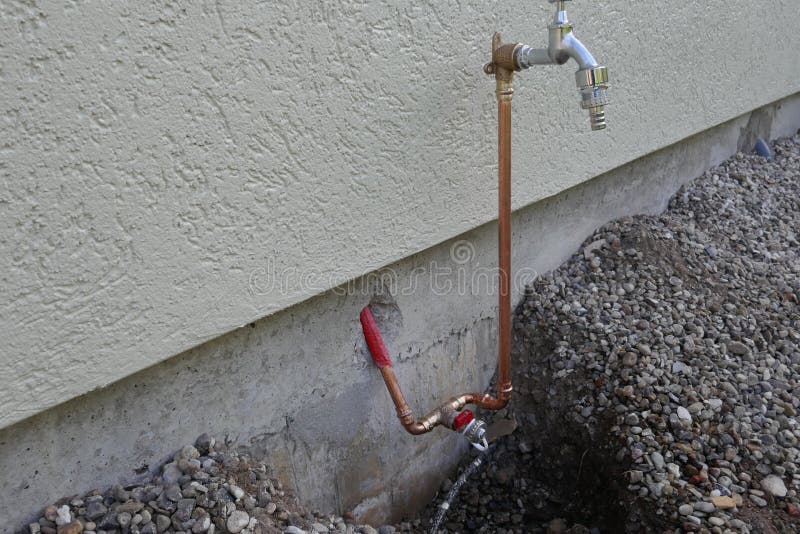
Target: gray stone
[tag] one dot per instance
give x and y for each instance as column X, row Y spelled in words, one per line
column 163, row 522
column 124, row 519
column 95, row 510
column 738, row 348
column 657, row 459
column 774, row 486
column 237, row 521
column 236, row 491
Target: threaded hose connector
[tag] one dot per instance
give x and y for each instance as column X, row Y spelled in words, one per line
column 597, row 118
column 593, row 85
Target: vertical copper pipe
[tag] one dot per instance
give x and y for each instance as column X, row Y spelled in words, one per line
column 504, row 246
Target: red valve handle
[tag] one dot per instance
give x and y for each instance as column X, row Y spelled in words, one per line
column 374, row 340
column 463, row 419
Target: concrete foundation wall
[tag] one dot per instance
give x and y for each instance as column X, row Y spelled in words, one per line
column 299, row 387
column 156, row 156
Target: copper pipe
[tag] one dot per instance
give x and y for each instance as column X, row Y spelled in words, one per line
column 504, row 245
column 503, row 67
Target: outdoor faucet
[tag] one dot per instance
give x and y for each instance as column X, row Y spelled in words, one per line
column 592, row 78
column 506, row 60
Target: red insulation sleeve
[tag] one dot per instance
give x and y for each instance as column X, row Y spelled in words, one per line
column 374, row 340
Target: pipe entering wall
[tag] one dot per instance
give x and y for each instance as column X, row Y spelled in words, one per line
column 507, row 59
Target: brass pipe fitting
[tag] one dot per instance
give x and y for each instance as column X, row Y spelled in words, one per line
column 503, row 66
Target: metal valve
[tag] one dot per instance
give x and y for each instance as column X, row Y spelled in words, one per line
column 472, row 429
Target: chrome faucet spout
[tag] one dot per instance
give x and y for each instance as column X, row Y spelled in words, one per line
column 592, row 77
column 575, row 49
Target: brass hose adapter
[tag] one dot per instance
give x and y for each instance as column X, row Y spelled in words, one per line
column 503, row 66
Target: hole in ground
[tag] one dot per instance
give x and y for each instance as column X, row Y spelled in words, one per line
column 555, row 473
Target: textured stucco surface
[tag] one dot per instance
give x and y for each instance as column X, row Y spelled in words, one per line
column 299, row 387
column 159, row 158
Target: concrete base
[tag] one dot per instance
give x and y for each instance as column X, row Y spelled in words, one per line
column 299, row 387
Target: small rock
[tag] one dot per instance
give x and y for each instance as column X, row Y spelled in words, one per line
column 120, row 494
column 95, row 510
column 657, row 459
column 163, row 522
column 236, row 491
column 73, row 527
column 237, row 521
column 589, row 250
column 124, row 519
column 187, row 453
column 629, row 359
column 774, row 486
column 173, row 493
column 63, row 515
column 684, row 414
column 705, row 507
column 201, row 525
column 205, row 443
column 685, row 509
column 738, row 348
column 171, row 473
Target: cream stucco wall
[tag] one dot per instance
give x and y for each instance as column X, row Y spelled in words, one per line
column 160, row 161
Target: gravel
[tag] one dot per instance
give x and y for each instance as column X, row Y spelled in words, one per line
column 206, row 489
column 664, row 358
column 657, row 375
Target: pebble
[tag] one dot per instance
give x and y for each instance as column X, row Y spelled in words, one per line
column 237, row 521
column 657, row 459
column 737, row 347
column 236, row 491
column 705, row 507
column 73, row 527
column 774, row 486
column 63, row 515
column 162, row 522
column 723, row 502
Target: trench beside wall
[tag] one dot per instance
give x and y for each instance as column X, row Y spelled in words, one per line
column 158, row 158
column 299, row 387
